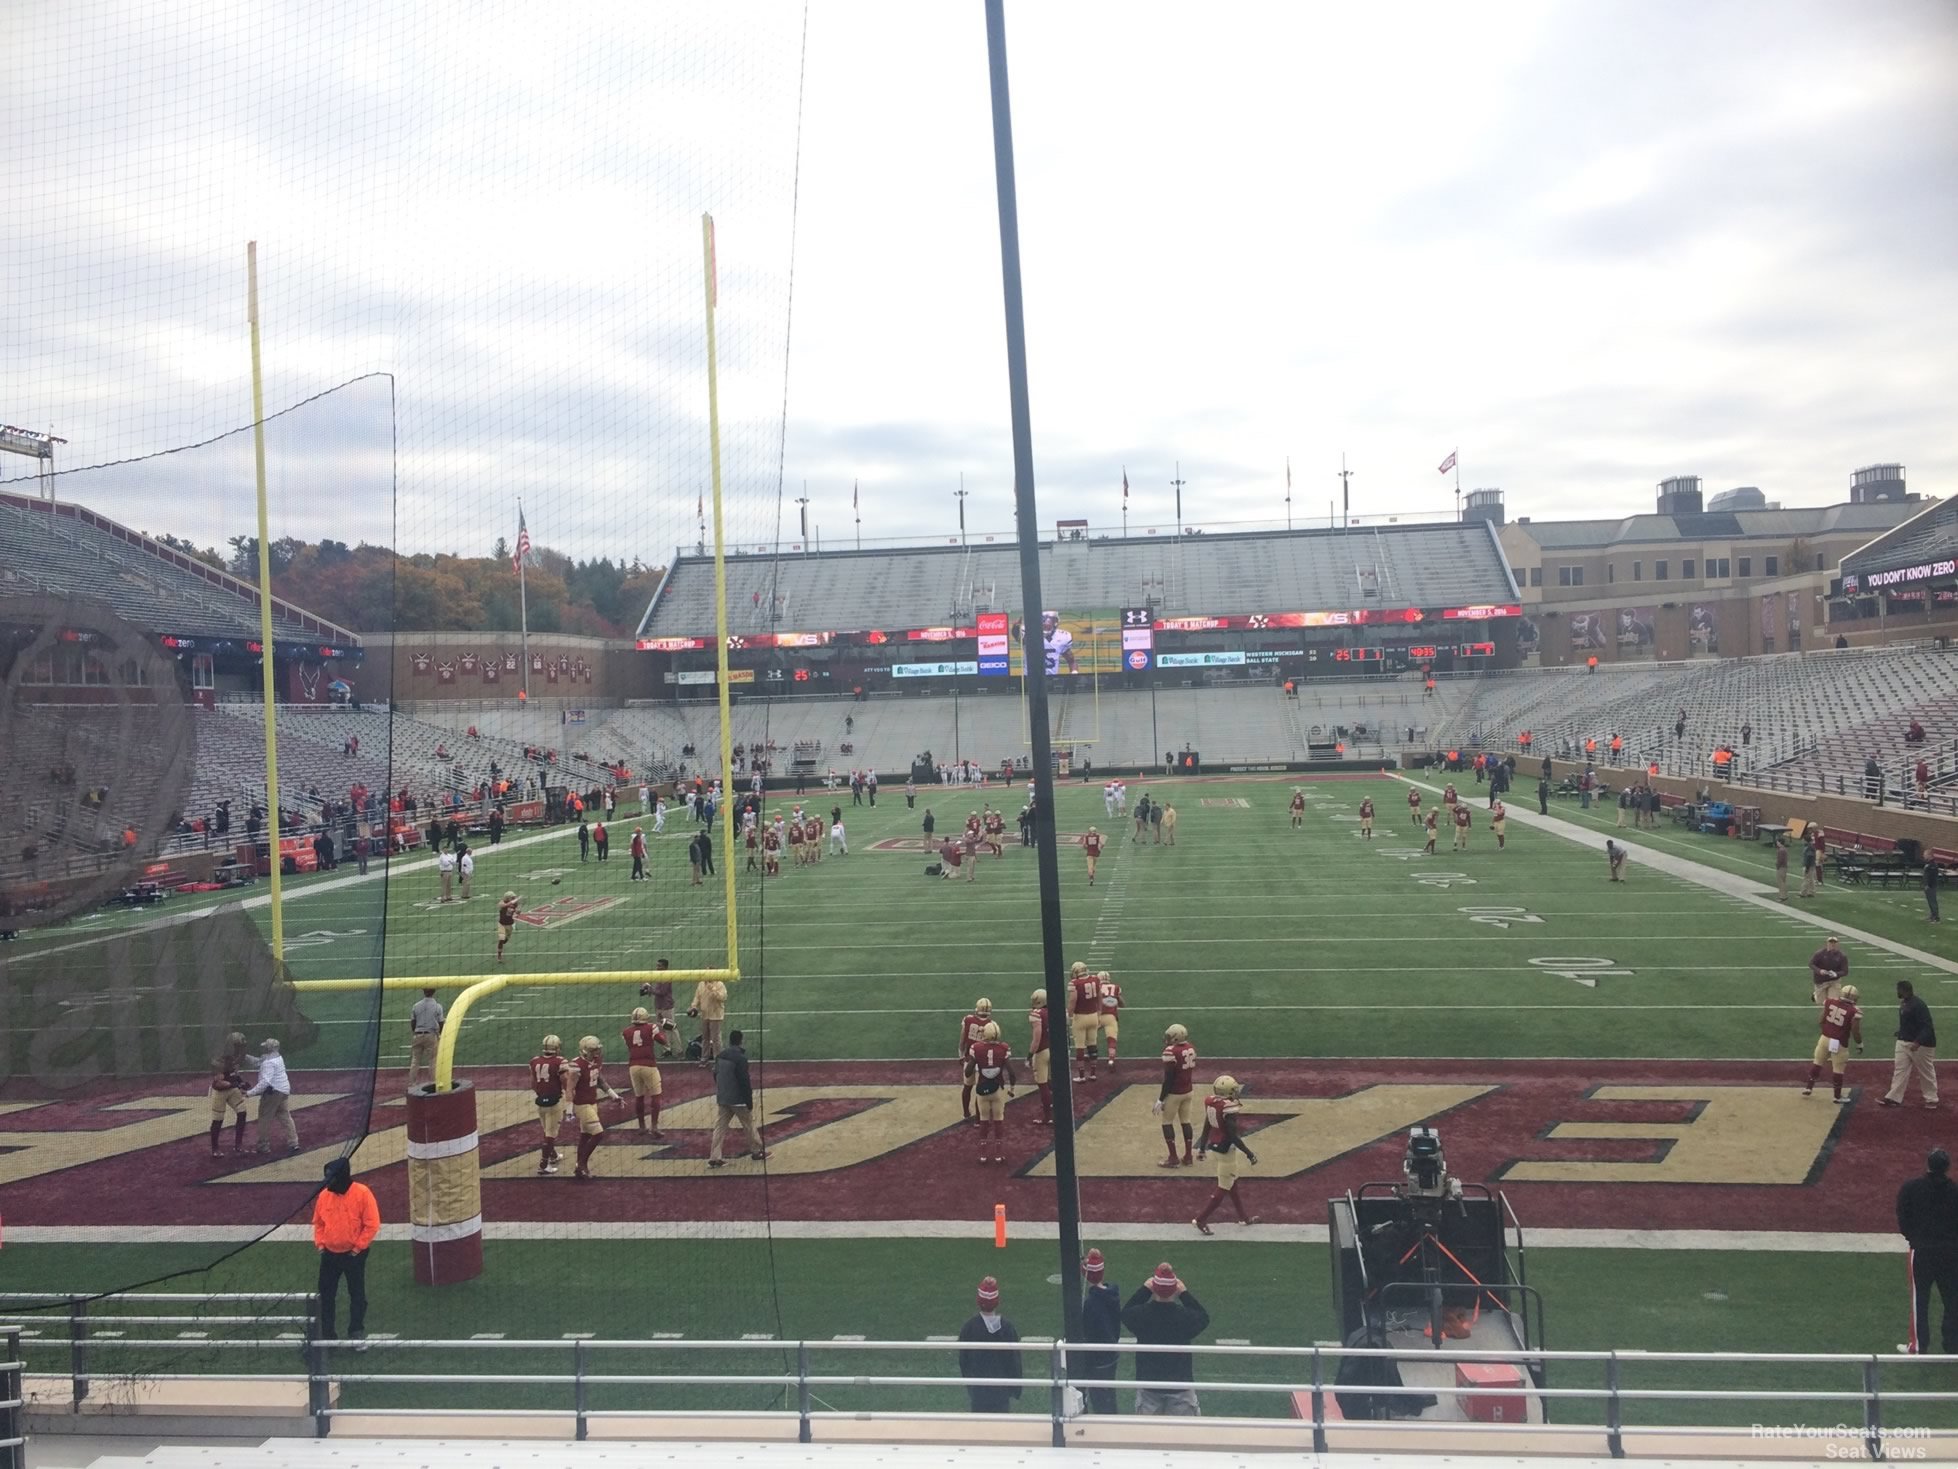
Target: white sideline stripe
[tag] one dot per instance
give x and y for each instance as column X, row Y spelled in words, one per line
column 447, row 1148
column 1778, row 1241
column 1747, row 890
column 437, row 1234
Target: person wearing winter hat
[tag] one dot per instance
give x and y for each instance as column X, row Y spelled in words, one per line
column 1101, row 1321
column 1163, row 1313
column 989, row 1356
column 346, row 1220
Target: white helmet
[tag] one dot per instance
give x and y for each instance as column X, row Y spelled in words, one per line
column 1176, row 1034
column 982, row 1006
column 639, row 1017
column 991, row 1032
column 1226, row 1086
column 588, row 1045
column 552, row 1045
column 1039, row 997
column 1078, row 969
column 1104, row 976
column 1850, row 992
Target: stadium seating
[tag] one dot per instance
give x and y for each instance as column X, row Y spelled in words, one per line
column 69, row 556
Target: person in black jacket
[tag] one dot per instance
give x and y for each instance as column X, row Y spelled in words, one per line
column 1101, row 1321
column 1164, row 1313
column 734, row 1099
column 1927, row 1217
column 989, row 1326
column 1917, row 1049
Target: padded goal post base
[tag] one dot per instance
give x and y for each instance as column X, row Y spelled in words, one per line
column 445, row 1194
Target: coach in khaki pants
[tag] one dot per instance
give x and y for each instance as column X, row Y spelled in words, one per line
column 1917, row 1049
column 274, row 1092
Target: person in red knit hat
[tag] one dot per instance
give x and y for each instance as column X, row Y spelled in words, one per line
column 1164, row 1313
column 989, row 1356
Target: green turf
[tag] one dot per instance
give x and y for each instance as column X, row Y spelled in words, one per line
column 1268, row 1294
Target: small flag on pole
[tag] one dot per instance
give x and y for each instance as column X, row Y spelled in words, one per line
column 700, row 507
column 853, row 494
column 1288, row 474
column 1447, row 464
column 1125, row 481
column 523, row 543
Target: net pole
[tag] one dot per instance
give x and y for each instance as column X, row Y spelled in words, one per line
column 267, row 670
column 720, row 595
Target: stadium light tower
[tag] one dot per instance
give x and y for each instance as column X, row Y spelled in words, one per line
column 960, row 493
column 802, row 501
column 38, row 447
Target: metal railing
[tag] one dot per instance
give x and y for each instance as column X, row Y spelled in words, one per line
column 796, row 1379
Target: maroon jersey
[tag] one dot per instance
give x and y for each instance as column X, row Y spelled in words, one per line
column 506, row 912
column 951, row 853
column 1448, row 795
column 1461, row 815
column 752, row 839
column 1037, row 1019
column 1086, row 989
column 1180, row 1066
column 1498, row 811
column 995, row 823
column 642, row 1040
column 1111, row 997
column 989, row 1060
column 1091, row 844
column 972, row 826
column 771, row 842
column 1298, row 802
column 638, row 844
column 584, row 1092
column 1839, row 1018
column 1366, row 810
column 1215, row 1110
column 970, row 1030
column 1431, row 821
column 548, row 1078
column 1830, row 963
column 1414, row 799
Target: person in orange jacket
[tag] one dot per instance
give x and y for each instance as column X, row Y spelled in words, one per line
column 346, row 1220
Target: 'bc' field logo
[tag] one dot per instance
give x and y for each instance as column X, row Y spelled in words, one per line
column 560, row 911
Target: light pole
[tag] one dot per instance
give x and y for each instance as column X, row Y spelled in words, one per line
column 802, row 506
column 960, row 493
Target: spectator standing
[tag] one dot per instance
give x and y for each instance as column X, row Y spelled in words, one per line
column 989, row 1326
column 931, row 823
column 1927, row 1218
column 1809, row 861
column 600, row 839
column 424, row 1035
column 360, row 855
column 1543, row 795
column 1931, row 876
column 1163, row 1313
column 584, row 840
column 346, row 1222
column 274, row 1092
column 638, row 855
column 734, row 1098
column 1917, row 1050
column 1101, row 1323
column 707, row 850
column 496, row 825
column 709, row 1007
column 466, row 869
column 693, row 857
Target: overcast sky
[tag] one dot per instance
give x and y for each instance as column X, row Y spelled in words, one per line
column 1589, row 245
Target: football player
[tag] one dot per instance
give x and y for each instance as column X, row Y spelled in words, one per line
column 1091, row 844
column 951, row 858
column 771, row 852
column 550, row 1079
column 1176, row 1102
column 1084, row 990
column 1414, row 805
column 1448, row 796
column 1366, row 818
column 644, row 1038
column 1842, row 1022
column 506, row 922
column 992, row 1070
column 1498, row 815
column 1461, row 826
column 752, row 839
column 1220, row 1117
column 972, row 1030
column 995, row 832
column 228, row 1094
column 1298, row 808
column 1042, row 1056
column 588, row 1086
column 1111, row 1013
column 1428, row 826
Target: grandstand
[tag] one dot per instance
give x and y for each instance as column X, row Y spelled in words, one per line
column 66, row 550
column 1381, row 567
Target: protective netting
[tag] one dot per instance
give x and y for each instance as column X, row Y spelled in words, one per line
column 482, row 296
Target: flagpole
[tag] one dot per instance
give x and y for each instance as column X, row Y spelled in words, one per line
column 1288, row 492
column 523, row 605
column 1458, row 484
column 1125, row 502
column 856, row 511
column 268, row 671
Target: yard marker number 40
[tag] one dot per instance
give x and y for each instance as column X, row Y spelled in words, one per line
column 1584, row 970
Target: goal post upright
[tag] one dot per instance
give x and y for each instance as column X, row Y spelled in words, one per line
column 729, row 835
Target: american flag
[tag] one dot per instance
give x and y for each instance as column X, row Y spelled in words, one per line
column 523, row 543
column 1446, row 464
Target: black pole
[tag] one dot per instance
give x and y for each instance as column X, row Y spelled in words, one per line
column 1053, row 963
